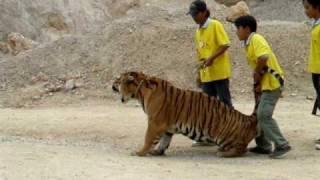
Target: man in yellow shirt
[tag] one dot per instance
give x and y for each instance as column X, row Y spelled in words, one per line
column 268, row 80
column 212, row 43
column 312, row 10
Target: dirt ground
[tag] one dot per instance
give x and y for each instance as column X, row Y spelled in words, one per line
column 94, row 140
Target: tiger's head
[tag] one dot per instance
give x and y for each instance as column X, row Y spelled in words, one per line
column 116, row 85
column 129, row 84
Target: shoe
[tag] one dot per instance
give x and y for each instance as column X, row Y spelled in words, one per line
column 199, row 143
column 317, row 146
column 280, row 151
column 317, row 141
column 259, row 150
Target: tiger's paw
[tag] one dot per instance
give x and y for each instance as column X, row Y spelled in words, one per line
column 134, row 153
column 229, row 153
column 156, row 152
column 220, row 154
column 137, row 153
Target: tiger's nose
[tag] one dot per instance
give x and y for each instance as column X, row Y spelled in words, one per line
column 115, row 89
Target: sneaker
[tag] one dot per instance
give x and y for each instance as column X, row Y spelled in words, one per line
column 317, row 146
column 199, row 143
column 280, row 151
column 317, row 141
column 259, row 150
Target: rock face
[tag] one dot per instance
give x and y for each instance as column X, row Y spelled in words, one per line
column 118, row 8
column 29, row 17
column 57, row 21
column 235, row 11
column 17, row 43
column 4, row 47
column 92, row 41
column 70, row 84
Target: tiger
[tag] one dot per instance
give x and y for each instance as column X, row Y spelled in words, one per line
column 171, row 110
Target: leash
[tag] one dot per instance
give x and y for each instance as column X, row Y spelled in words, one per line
column 138, row 88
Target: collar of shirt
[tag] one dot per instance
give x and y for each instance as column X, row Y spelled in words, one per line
column 315, row 22
column 245, row 43
column 206, row 24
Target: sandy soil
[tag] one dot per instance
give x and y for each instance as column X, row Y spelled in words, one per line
column 94, row 140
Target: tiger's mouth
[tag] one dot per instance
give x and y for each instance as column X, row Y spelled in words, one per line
column 125, row 99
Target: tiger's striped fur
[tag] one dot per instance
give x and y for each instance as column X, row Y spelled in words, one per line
column 171, row 110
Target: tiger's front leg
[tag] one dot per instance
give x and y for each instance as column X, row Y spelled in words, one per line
column 163, row 145
column 153, row 131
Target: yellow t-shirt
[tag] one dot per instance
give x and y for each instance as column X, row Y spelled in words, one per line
column 208, row 39
column 257, row 46
column 314, row 57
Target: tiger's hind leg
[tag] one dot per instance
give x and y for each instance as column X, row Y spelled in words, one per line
column 163, row 145
column 232, row 152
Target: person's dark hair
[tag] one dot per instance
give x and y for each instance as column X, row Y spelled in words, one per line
column 198, row 6
column 246, row 21
column 314, row 3
column 208, row 13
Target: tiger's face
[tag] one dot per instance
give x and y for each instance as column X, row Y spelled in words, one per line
column 116, row 85
column 127, row 85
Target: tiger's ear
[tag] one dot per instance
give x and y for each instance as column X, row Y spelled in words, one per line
column 129, row 79
column 134, row 74
column 152, row 83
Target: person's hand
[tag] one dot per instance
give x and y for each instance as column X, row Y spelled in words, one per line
column 198, row 81
column 257, row 88
column 200, row 65
column 207, row 62
column 196, row 71
column 256, row 77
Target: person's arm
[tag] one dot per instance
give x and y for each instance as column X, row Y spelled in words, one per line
column 219, row 52
column 222, row 41
column 258, row 72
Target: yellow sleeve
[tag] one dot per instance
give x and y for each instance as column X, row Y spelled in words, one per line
column 220, row 34
column 261, row 47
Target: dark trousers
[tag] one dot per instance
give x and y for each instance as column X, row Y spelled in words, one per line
column 218, row 89
column 316, row 85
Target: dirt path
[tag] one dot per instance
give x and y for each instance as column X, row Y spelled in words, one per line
column 94, row 142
